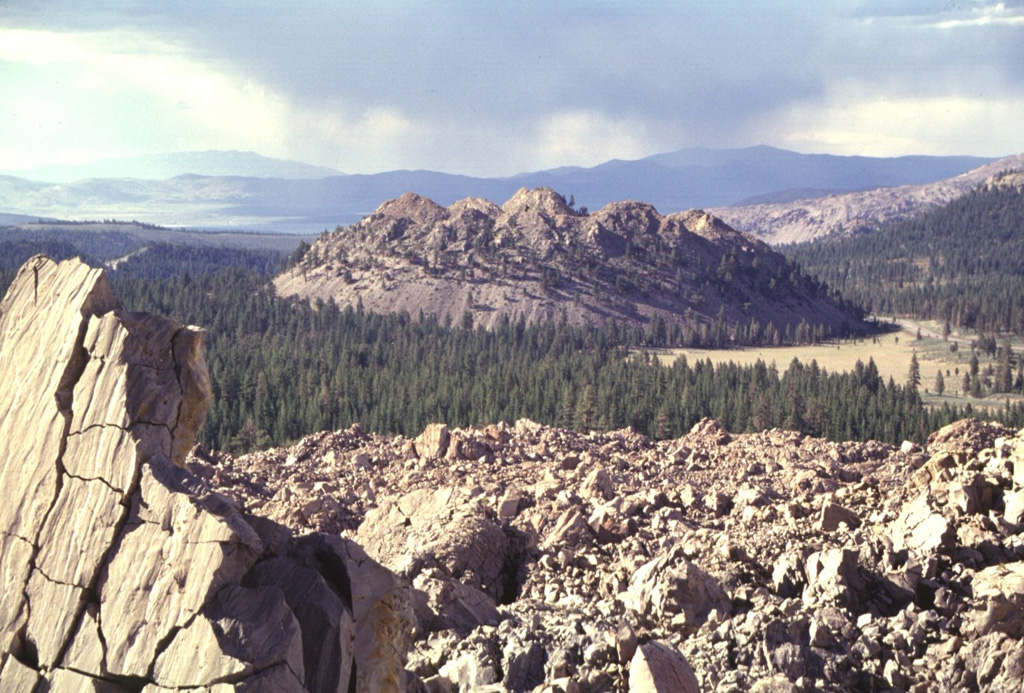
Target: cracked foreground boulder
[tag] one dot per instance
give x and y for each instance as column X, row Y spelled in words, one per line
column 120, row 570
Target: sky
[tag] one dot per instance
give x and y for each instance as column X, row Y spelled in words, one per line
column 492, row 88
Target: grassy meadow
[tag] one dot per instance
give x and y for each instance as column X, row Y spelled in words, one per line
column 892, row 353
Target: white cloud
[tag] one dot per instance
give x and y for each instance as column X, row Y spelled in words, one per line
column 586, row 138
column 860, row 123
column 994, row 15
column 99, row 79
column 376, row 139
column 79, row 97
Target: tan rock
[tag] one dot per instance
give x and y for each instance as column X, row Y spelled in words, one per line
column 673, row 588
column 384, row 620
column 938, row 469
column 657, row 667
column 973, row 495
column 999, row 592
column 1013, row 503
column 598, row 485
column 433, row 442
column 114, row 560
column 42, row 318
column 833, row 515
column 832, row 577
column 921, row 529
column 15, row 676
column 449, row 545
column 625, row 642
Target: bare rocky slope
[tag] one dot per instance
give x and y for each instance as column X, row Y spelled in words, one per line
column 806, row 220
column 550, row 560
column 538, row 259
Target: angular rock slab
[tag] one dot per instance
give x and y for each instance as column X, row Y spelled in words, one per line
column 999, row 595
column 671, row 587
column 117, row 562
column 443, row 528
column 43, row 319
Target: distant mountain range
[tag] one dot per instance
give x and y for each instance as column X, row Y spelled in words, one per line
column 241, row 190
column 163, row 166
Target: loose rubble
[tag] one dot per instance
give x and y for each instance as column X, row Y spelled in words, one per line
column 550, row 560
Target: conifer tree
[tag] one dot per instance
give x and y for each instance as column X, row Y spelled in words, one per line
column 914, row 375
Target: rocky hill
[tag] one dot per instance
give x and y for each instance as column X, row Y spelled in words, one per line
column 805, row 220
column 538, row 258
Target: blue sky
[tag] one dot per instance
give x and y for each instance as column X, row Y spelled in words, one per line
column 496, row 88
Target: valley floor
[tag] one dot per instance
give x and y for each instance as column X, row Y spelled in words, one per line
column 892, row 354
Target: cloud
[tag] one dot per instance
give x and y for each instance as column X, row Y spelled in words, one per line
column 499, row 88
column 112, row 77
column 990, row 16
column 864, row 124
column 587, row 139
column 952, row 14
column 101, row 94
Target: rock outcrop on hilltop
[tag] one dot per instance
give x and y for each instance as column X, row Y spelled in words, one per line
column 538, row 259
column 548, row 560
column 119, row 569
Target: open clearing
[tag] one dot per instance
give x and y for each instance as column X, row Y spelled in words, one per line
column 892, row 353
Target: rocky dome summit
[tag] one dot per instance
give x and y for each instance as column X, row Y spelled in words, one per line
column 539, row 258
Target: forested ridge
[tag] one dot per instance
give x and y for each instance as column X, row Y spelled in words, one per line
column 962, row 263
column 283, row 368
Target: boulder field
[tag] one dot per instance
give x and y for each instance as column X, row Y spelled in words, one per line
column 499, row 558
